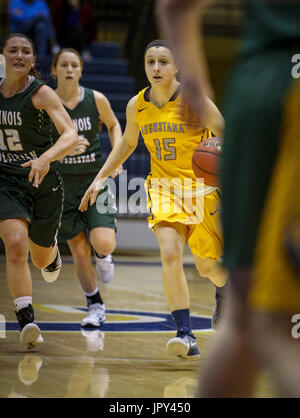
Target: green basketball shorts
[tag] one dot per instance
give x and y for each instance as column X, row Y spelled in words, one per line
column 101, row 214
column 41, row 206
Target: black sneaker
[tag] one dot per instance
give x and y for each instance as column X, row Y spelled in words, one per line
column 51, row 272
column 218, row 308
column 30, row 334
column 183, row 345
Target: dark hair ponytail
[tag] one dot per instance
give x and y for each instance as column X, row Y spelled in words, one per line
column 33, row 71
column 158, row 43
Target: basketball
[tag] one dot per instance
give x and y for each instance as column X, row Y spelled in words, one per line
column 206, row 161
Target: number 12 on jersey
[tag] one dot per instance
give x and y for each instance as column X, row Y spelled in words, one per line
column 165, row 145
column 12, row 139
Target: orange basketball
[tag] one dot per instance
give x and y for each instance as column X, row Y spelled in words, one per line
column 206, row 161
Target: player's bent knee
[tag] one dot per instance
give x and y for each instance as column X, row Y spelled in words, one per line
column 105, row 247
column 207, row 269
column 42, row 257
column 41, row 262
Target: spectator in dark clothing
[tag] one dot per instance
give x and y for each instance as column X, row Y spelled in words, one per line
column 74, row 24
column 33, row 18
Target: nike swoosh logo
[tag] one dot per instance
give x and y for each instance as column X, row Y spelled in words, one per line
column 55, row 188
column 212, row 213
column 140, row 110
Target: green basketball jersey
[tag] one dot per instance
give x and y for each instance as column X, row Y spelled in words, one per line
column 85, row 118
column 271, row 24
column 25, row 132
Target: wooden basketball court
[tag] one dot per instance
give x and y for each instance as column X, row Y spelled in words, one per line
column 125, row 357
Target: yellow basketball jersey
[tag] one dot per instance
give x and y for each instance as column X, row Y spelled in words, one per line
column 169, row 140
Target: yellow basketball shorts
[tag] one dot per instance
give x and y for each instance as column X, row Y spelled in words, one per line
column 204, row 236
column 276, row 285
column 206, row 240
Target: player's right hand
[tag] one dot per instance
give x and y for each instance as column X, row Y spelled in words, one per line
column 39, row 167
column 80, row 147
column 91, row 194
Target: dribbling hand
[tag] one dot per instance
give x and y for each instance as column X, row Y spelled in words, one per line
column 81, row 147
column 91, row 194
column 39, row 168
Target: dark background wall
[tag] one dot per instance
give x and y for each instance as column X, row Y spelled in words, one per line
column 132, row 23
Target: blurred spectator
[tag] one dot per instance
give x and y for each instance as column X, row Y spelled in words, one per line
column 33, row 18
column 74, row 24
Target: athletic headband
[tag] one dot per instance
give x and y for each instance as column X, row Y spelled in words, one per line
column 157, row 43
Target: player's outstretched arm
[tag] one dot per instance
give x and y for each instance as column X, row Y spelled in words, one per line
column 119, row 154
column 46, row 99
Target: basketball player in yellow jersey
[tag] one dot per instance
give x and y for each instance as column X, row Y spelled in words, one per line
column 155, row 113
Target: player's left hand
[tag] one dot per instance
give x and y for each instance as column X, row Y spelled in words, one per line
column 39, row 168
column 91, row 194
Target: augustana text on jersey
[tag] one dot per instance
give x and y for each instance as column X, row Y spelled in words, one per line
column 149, row 128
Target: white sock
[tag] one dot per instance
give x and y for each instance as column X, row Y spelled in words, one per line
column 22, row 302
column 92, row 293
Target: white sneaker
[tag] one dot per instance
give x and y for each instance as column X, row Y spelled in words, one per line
column 51, row 272
column 30, row 333
column 30, row 336
column 105, row 268
column 95, row 316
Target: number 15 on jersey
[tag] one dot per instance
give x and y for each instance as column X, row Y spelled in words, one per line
column 165, row 149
